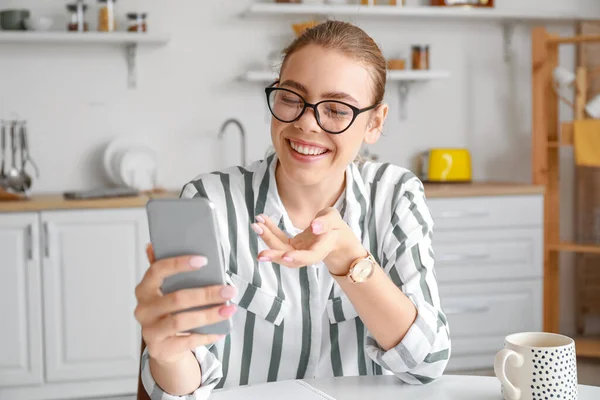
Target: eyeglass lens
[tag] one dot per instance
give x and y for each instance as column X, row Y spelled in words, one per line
column 332, row 116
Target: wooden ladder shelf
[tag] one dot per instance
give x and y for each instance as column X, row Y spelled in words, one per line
column 548, row 136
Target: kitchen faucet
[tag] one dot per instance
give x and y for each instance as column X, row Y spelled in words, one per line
column 242, row 133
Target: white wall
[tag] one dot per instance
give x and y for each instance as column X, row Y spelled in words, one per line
column 76, row 99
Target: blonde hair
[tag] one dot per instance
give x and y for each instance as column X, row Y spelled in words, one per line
column 351, row 41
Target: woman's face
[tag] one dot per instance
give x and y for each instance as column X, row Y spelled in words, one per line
column 317, row 74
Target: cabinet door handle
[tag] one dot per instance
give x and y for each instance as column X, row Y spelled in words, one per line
column 46, row 240
column 464, row 257
column 463, row 214
column 29, row 239
column 466, row 310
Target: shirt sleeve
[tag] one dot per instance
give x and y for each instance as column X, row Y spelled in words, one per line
column 210, row 365
column 212, row 372
column 408, row 259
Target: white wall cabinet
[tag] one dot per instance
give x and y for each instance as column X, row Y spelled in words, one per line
column 76, row 271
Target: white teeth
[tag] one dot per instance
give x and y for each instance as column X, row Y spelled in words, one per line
column 306, row 150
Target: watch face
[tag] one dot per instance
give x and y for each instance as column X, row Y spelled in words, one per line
column 362, row 270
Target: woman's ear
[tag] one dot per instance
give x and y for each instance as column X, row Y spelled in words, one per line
column 376, row 124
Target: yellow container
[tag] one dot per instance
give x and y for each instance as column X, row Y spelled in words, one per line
column 445, row 165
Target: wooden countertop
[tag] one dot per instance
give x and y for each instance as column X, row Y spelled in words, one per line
column 432, row 190
column 478, row 189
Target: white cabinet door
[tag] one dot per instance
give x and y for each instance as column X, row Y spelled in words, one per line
column 20, row 300
column 91, row 264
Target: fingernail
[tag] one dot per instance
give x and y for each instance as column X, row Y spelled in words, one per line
column 317, row 227
column 260, row 219
column 257, row 229
column 228, row 311
column 228, row 292
column 288, row 259
column 198, row 261
column 264, row 259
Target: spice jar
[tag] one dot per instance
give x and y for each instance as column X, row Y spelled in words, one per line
column 77, row 21
column 136, row 22
column 107, row 21
column 420, row 57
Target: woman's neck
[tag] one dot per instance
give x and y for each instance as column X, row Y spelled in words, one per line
column 302, row 203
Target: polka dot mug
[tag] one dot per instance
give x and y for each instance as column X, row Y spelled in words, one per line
column 537, row 366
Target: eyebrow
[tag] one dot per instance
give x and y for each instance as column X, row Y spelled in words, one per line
column 328, row 95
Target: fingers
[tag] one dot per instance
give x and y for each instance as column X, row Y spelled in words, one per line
column 174, row 324
column 326, row 220
column 159, row 270
column 275, row 240
column 272, row 226
column 180, row 344
column 150, row 253
column 183, row 300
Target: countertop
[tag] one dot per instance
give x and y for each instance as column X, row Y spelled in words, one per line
column 432, row 190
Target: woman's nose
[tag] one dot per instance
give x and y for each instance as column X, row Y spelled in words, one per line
column 308, row 122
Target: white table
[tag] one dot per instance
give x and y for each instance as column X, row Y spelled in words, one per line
column 448, row 387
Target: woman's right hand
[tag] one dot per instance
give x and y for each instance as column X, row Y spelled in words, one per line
column 162, row 330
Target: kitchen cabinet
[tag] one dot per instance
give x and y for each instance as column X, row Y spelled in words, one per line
column 90, row 266
column 489, row 265
column 20, row 297
column 75, row 270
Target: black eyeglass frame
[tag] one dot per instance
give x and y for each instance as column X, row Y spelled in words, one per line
column 356, row 111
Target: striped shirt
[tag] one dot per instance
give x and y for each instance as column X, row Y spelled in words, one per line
column 298, row 323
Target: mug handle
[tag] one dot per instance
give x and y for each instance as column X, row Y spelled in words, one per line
column 500, row 360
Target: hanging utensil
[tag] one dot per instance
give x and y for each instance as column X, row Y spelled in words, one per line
column 3, row 177
column 15, row 179
column 24, row 156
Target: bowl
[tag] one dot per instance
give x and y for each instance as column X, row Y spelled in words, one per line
column 39, row 24
column 14, row 20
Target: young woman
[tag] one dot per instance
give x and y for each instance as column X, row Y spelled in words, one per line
column 329, row 261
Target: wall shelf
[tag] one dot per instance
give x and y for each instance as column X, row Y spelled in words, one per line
column 410, row 12
column 129, row 41
column 404, row 79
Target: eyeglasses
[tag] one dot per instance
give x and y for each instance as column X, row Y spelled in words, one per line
column 332, row 116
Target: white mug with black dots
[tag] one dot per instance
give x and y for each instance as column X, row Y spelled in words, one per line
column 537, row 366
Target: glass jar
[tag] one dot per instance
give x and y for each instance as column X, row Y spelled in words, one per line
column 107, row 21
column 77, row 22
column 137, row 22
column 420, row 57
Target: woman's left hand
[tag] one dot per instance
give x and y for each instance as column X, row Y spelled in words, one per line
column 328, row 239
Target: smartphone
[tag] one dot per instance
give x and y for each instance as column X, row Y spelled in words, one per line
column 189, row 227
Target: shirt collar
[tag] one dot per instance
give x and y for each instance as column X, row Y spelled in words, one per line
column 354, row 200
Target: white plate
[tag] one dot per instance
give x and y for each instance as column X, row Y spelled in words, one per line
column 138, row 168
column 114, row 155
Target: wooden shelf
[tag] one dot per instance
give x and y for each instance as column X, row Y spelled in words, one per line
column 457, row 13
column 129, row 40
column 574, row 248
column 587, row 347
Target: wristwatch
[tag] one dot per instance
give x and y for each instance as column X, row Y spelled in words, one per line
column 361, row 269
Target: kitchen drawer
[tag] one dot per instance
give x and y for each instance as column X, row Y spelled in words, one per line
column 480, row 315
column 488, row 254
column 487, row 212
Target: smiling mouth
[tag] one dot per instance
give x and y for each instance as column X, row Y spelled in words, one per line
column 307, row 150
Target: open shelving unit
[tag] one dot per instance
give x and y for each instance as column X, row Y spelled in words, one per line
column 130, row 41
column 548, row 137
column 404, row 79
